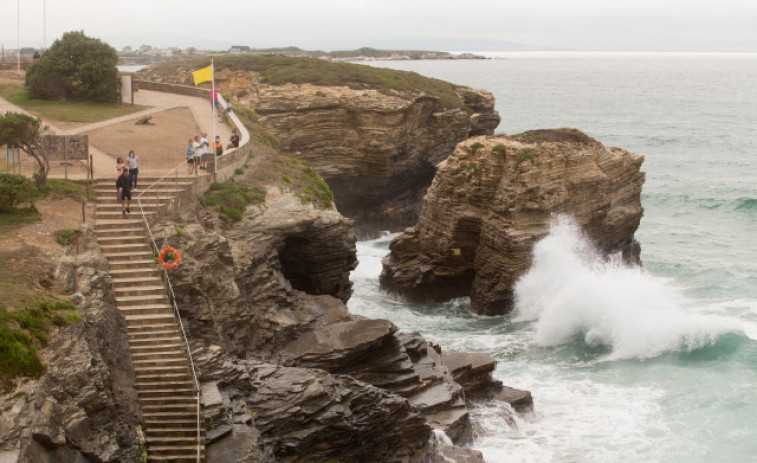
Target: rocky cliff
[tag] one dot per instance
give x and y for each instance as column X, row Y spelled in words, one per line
column 376, row 137
column 494, row 198
column 84, row 408
column 287, row 373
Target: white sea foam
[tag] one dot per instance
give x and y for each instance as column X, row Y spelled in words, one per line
column 571, row 292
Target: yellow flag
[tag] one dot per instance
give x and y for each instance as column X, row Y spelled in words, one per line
column 203, row 75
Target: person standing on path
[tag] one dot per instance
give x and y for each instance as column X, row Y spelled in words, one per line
column 123, row 189
column 197, row 146
column 218, row 146
column 119, row 166
column 133, row 161
column 191, row 166
column 204, row 150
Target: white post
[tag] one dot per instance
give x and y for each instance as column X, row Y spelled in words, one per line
column 213, row 112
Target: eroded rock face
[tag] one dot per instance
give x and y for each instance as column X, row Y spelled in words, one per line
column 377, row 151
column 495, row 197
column 85, row 406
column 285, row 370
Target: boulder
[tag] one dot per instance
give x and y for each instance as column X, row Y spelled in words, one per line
column 495, row 197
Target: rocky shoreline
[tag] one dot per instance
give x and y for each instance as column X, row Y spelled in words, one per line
column 495, row 197
column 287, row 374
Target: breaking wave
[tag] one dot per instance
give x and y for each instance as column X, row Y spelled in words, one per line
column 573, row 294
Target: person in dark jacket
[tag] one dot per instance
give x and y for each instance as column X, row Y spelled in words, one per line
column 123, row 187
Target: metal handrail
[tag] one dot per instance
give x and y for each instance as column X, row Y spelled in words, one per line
column 176, row 308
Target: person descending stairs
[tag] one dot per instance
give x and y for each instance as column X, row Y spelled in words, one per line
column 165, row 382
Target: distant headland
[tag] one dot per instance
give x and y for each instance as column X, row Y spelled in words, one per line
column 148, row 55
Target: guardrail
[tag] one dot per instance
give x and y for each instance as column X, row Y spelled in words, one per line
column 177, row 316
column 229, row 161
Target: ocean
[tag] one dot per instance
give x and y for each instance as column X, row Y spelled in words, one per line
column 626, row 364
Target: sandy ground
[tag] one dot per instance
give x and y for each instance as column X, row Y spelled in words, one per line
column 160, row 147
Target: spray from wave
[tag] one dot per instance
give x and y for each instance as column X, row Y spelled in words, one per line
column 571, row 292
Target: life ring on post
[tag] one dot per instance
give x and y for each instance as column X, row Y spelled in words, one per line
column 169, row 257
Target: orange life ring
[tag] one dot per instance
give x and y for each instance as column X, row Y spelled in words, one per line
column 176, row 257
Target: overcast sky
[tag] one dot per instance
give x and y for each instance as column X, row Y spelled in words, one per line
column 590, row 25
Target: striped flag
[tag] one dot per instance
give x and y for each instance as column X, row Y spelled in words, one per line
column 203, row 75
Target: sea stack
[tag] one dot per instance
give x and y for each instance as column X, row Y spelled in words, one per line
column 495, row 197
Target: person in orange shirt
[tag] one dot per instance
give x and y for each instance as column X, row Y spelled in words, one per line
column 218, row 146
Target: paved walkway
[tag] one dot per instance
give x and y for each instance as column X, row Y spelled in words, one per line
column 156, row 102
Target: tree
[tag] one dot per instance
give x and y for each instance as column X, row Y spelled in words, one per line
column 75, row 67
column 28, row 134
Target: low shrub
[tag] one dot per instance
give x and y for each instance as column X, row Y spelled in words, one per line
column 475, row 147
column 23, row 330
column 14, row 189
column 523, row 156
column 232, row 200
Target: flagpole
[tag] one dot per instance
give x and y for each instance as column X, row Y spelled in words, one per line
column 213, row 112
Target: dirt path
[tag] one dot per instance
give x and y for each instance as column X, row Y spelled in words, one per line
column 160, row 147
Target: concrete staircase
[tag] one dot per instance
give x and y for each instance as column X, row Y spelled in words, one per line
column 164, row 379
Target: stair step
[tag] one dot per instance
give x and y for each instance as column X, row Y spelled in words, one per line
column 155, row 336
column 155, row 329
column 190, row 408
column 129, row 284
column 176, row 397
column 147, row 299
column 149, row 375
column 122, row 222
column 154, row 372
column 157, row 355
column 189, row 431
column 134, row 291
column 166, row 346
column 149, row 385
column 136, row 320
column 181, row 420
column 134, row 265
column 116, row 232
column 122, row 246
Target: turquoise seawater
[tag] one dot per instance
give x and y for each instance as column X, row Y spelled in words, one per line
column 652, row 364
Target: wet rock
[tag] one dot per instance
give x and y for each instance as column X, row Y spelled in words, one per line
column 495, row 197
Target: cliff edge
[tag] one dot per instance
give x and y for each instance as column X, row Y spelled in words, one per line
column 495, row 197
column 374, row 135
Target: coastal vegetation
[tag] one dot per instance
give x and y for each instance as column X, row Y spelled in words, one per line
column 231, row 199
column 23, row 330
column 75, row 67
column 63, row 110
column 279, row 70
column 525, row 155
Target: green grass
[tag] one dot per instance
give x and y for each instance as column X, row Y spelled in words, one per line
column 523, row 156
column 64, row 111
column 65, row 236
column 500, row 149
column 231, row 200
column 474, row 169
column 278, row 70
column 475, row 147
column 17, row 217
column 24, row 330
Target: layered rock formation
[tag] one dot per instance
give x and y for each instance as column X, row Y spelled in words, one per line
column 378, row 150
column 495, row 197
column 85, row 407
column 286, row 370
